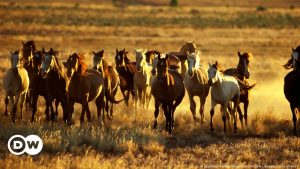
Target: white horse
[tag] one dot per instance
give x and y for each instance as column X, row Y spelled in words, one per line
column 196, row 84
column 224, row 89
column 142, row 79
column 15, row 84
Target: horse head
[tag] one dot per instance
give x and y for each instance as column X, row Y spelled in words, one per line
column 188, row 47
column 28, row 50
column 48, row 62
column 121, row 58
column 162, row 66
column 140, row 58
column 193, row 63
column 97, row 60
column 214, row 73
column 15, row 59
column 76, row 64
column 243, row 65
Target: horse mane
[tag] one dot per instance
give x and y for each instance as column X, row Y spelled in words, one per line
column 218, row 66
column 82, row 64
column 247, row 55
column 289, row 63
column 59, row 67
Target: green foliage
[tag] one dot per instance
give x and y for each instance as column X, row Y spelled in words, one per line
column 174, row 2
column 261, row 8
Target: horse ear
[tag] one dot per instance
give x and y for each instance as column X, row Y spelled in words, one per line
column 23, row 43
column 124, row 50
column 209, row 64
column 11, row 52
column 239, row 54
column 94, row 52
column 166, row 57
column 51, row 50
column 44, row 50
column 293, row 49
column 102, row 52
column 198, row 53
column 217, row 63
column 117, row 50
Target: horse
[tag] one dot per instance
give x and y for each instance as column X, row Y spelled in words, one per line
column 196, row 84
column 111, row 80
column 56, row 81
column 188, row 47
column 224, row 89
column 142, row 79
column 15, row 84
column 173, row 63
column 38, row 85
column 292, row 83
column 28, row 51
column 126, row 70
column 168, row 90
column 242, row 74
column 85, row 85
column 150, row 55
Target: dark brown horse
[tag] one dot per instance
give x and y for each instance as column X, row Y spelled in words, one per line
column 111, row 80
column 28, row 50
column 126, row 70
column 292, row 83
column 242, row 74
column 38, row 85
column 168, row 89
column 56, row 81
column 85, row 85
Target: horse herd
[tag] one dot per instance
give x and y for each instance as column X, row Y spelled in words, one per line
column 165, row 76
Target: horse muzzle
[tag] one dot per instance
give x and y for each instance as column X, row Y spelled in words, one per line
column 190, row 73
column 211, row 82
column 247, row 75
column 153, row 72
column 43, row 74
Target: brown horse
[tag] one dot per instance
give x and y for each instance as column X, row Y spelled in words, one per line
column 38, row 85
column 28, row 51
column 242, row 74
column 56, row 81
column 15, row 84
column 292, row 83
column 188, row 47
column 111, row 80
column 85, row 85
column 196, row 84
column 168, row 89
column 126, row 70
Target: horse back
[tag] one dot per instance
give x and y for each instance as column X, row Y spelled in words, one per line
column 291, row 88
column 96, row 83
column 231, row 71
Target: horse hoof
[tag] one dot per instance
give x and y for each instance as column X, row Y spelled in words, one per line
column 212, row 129
column 7, row 113
column 155, row 125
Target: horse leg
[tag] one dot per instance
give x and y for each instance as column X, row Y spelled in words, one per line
column 212, row 112
column 166, row 112
column 294, row 118
column 13, row 108
column 70, row 110
column 47, row 107
column 136, row 92
column 224, row 111
column 88, row 112
column 140, row 98
column 52, row 111
column 63, row 103
column 34, row 105
column 156, row 112
column 240, row 115
column 6, row 103
column 202, row 103
column 246, row 104
column 22, row 102
column 193, row 107
column 56, row 106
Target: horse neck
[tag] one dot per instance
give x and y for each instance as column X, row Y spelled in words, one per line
column 218, row 85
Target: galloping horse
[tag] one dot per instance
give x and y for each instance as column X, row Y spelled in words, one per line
column 142, row 79
column 242, row 74
column 85, row 85
column 196, row 84
column 224, row 89
column 173, row 63
column 126, row 70
column 111, row 79
column 292, row 83
column 15, row 84
column 188, row 47
column 168, row 89
column 56, row 81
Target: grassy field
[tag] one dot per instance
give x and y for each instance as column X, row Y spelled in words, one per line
column 268, row 29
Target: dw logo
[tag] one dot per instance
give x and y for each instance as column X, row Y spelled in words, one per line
column 18, row 145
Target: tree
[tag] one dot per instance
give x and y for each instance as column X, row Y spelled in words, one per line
column 174, row 2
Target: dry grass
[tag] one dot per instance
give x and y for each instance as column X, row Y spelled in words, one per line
column 128, row 140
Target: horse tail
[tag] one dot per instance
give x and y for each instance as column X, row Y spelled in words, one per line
column 110, row 98
column 245, row 86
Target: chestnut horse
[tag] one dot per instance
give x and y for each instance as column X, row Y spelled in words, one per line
column 168, row 89
column 242, row 74
column 292, row 83
column 126, row 70
column 15, row 84
column 85, row 85
column 111, row 80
